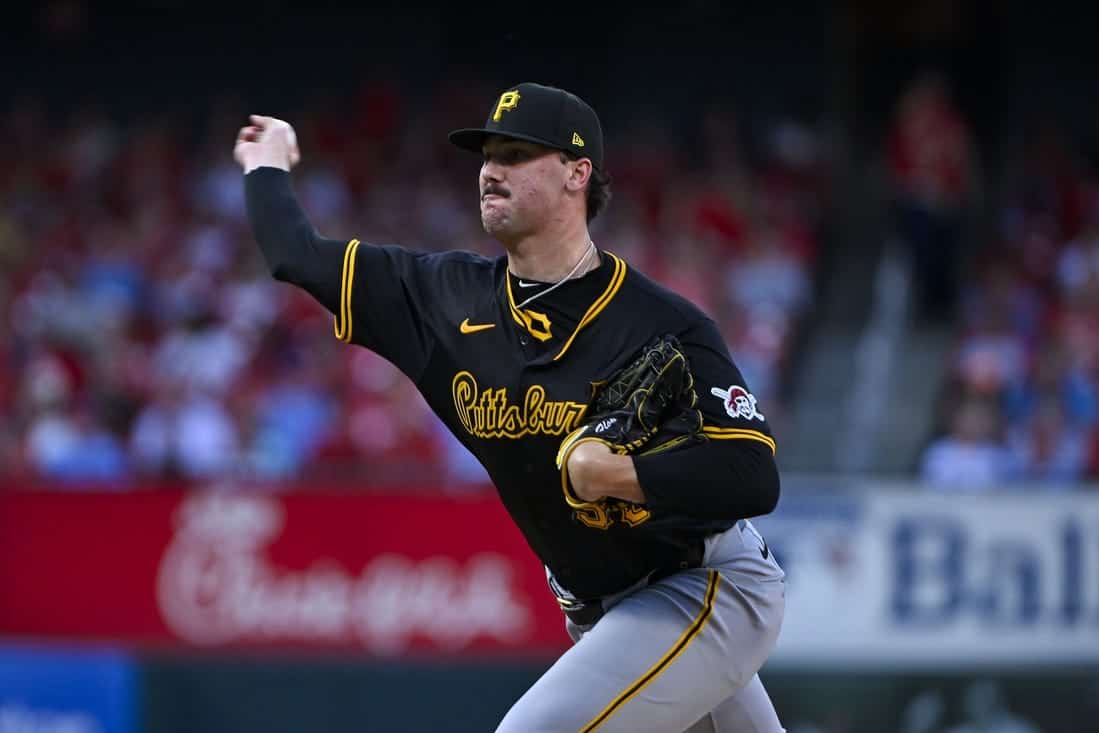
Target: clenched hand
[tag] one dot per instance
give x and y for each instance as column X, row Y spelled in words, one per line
column 266, row 142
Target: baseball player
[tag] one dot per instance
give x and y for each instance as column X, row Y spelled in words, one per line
column 619, row 434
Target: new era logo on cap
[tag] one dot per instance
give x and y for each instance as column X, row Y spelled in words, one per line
column 540, row 114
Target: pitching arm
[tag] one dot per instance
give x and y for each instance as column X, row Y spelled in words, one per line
column 374, row 293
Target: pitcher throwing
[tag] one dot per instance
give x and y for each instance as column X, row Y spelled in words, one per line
column 606, row 409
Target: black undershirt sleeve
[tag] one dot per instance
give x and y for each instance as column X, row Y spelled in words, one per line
column 378, row 294
column 293, row 250
column 732, row 474
column 712, row 481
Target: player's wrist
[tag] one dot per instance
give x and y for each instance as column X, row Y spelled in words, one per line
column 595, row 472
column 266, row 161
column 584, row 462
column 621, row 479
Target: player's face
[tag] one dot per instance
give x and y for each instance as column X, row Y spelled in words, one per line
column 521, row 184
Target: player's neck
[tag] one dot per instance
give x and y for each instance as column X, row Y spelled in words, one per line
column 551, row 258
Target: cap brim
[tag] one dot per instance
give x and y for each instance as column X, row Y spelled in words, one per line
column 473, row 138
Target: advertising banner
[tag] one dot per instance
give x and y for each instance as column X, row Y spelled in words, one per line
column 45, row 688
column 881, row 578
column 382, row 574
column 914, row 578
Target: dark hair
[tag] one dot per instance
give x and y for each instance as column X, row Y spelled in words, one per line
column 599, row 188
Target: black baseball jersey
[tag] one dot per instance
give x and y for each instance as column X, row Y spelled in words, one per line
column 511, row 383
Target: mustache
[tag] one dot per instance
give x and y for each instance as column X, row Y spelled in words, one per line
column 494, row 189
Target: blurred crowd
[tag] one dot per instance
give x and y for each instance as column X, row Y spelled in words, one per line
column 1021, row 400
column 145, row 342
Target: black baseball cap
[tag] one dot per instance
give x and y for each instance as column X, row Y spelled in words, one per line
column 540, row 114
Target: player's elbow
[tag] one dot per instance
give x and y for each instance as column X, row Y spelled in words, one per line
column 758, row 484
column 280, row 269
column 768, row 489
column 290, row 255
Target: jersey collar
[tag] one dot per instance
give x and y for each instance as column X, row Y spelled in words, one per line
column 528, row 319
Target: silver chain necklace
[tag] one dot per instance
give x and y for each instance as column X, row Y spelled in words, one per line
column 559, row 283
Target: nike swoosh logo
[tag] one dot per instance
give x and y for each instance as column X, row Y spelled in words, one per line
column 765, row 551
column 528, row 285
column 466, row 327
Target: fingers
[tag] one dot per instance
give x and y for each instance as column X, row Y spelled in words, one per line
column 261, row 124
column 249, row 134
column 240, row 152
column 267, row 141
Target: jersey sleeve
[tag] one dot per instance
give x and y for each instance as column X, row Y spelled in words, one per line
column 293, row 250
column 377, row 294
column 384, row 291
column 729, row 409
column 732, row 474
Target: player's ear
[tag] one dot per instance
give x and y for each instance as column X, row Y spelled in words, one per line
column 579, row 172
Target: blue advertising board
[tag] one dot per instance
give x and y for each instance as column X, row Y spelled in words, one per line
column 49, row 689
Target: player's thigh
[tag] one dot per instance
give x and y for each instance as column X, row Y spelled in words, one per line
column 657, row 662
column 748, row 710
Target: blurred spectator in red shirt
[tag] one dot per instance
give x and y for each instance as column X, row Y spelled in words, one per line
column 931, row 164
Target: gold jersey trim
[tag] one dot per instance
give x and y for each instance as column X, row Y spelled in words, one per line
column 527, row 319
column 342, row 324
column 600, row 303
column 678, row 648
column 716, row 433
column 515, row 313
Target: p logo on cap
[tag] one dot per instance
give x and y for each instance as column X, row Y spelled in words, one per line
column 547, row 116
column 508, row 100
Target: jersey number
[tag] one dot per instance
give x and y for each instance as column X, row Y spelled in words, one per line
column 604, row 514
